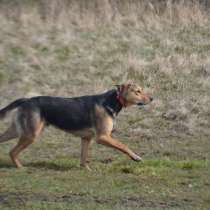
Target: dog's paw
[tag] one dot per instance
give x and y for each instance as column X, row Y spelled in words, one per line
column 136, row 158
column 86, row 167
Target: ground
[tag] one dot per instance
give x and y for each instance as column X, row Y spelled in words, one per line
column 168, row 57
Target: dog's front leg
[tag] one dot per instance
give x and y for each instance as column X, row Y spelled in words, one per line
column 85, row 142
column 109, row 141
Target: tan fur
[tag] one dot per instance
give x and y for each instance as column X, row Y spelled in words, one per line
column 103, row 133
column 84, row 133
column 135, row 94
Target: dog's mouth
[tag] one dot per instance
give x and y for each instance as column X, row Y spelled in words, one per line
column 145, row 103
column 141, row 104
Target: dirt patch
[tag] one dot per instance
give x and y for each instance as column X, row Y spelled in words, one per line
column 142, row 202
column 8, row 199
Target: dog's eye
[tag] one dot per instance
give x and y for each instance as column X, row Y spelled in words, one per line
column 137, row 92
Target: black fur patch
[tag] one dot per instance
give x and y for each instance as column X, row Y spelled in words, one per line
column 73, row 113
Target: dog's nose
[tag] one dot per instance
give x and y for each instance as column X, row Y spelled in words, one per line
column 151, row 98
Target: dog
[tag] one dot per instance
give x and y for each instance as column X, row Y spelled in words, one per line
column 85, row 116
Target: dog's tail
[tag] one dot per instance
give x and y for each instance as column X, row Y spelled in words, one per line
column 11, row 106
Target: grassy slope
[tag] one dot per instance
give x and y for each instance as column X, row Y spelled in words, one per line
column 170, row 60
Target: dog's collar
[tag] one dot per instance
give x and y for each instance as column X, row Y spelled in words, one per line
column 111, row 104
column 120, row 97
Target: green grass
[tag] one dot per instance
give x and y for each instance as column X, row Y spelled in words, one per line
column 122, row 184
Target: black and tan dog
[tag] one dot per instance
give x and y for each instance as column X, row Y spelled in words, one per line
column 83, row 116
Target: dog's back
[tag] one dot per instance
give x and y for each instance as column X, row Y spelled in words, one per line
column 65, row 113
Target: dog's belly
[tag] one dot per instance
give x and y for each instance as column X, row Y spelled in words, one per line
column 84, row 133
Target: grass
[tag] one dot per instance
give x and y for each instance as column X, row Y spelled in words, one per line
column 154, row 184
column 88, row 50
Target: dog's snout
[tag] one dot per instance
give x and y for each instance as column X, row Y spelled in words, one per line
column 151, row 98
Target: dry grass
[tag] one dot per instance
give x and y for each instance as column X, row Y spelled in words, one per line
column 75, row 47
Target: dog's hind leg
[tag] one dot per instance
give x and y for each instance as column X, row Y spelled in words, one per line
column 22, row 144
column 9, row 134
column 85, row 142
column 29, row 134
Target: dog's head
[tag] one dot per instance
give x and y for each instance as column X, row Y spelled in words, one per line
column 132, row 94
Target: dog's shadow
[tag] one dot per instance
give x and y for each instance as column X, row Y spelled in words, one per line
column 40, row 165
column 50, row 166
column 5, row 164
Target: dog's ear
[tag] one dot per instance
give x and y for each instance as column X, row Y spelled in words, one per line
column 118, row 87
column 126, row 85
column 123, row 86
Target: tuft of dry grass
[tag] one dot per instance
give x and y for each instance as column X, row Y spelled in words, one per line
column 93, row 13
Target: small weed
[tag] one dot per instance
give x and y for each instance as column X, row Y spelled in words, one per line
column 2, row 77
column 17, row 51
column 62, row 53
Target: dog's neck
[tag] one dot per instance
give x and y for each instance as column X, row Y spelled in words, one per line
column 112, row 104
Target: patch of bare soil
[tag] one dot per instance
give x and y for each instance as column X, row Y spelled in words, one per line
column 8, row 199
column 136, row 202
